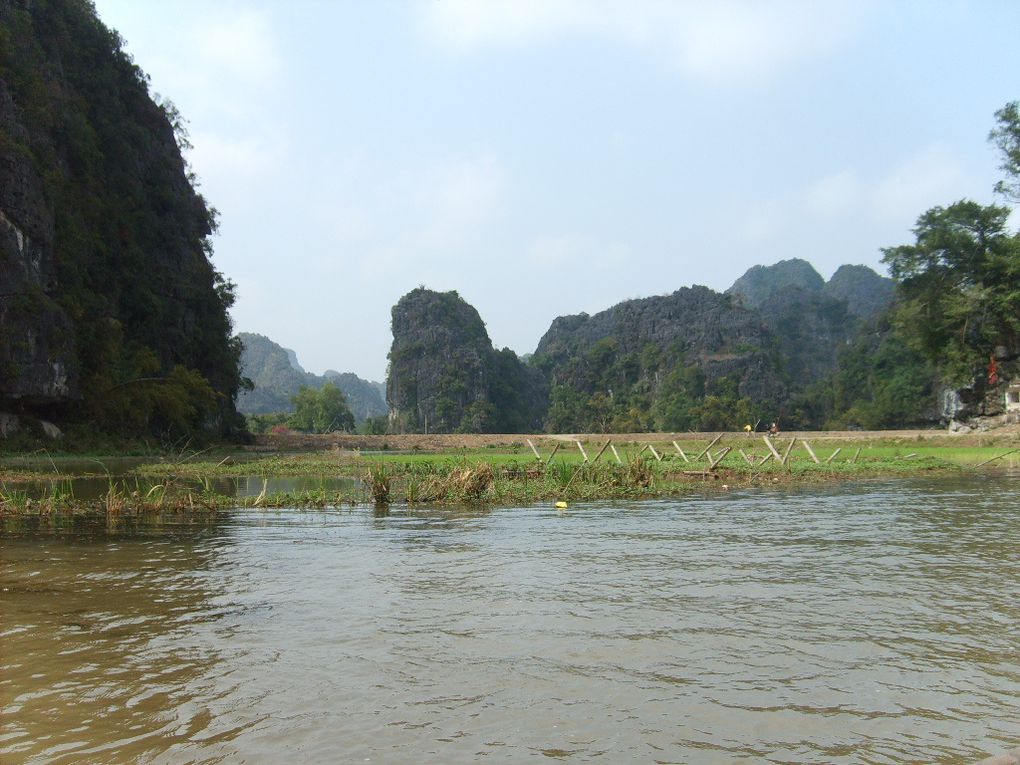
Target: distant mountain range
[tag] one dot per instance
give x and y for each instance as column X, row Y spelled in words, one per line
column 693, row 359
column 277, row 376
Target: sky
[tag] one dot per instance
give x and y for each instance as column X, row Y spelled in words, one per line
column 548, row 157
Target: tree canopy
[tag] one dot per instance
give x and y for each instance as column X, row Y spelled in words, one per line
column 960, row 281
column 321, row 411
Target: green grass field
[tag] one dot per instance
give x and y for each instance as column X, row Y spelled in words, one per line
column 488, row 476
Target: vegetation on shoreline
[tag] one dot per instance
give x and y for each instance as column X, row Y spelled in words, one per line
column 510, row 476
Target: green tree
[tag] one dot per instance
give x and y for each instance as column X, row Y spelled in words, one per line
column 959, row 286
column 321, row 411
column 1007, row 137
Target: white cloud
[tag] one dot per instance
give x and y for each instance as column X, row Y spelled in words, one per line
column 727, row 39
column 457, row 200
column 239, row 44
column 929, row 177
column 574, row 249
column 834, row 194
column 932, row 176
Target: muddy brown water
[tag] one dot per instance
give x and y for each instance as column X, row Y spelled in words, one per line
column 876, row 622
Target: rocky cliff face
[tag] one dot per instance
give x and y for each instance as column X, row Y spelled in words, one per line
column 277, row 376
column 444, row 372
column 694, row 326
column 759, row 283
column 865, row 293
column 37, row 353
column 440, row 364
column 695, row 359
column 111, row 312
column 810, row 329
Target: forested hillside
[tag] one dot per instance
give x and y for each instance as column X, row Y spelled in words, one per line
column 111, row 312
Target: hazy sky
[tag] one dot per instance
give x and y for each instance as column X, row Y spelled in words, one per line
column 546, row 157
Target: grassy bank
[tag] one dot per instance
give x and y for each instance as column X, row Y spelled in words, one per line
column 505, row 475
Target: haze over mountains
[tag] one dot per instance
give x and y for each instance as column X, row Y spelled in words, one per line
column 277, row 376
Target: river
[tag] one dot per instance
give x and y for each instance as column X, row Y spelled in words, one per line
column 872, row 622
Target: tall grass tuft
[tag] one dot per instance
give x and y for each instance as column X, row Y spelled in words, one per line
column 379, row 479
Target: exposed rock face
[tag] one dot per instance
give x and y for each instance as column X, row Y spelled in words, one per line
column 105, row 277
column 366, row 398
column 444, row 372
column 37, row 354
column 865, row 292
column 694, row 326
column 810, row 329
column 759, row 283
column 440, row 363
column 269, row 367
column 277, row 376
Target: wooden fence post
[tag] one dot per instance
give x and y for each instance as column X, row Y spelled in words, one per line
column 537, row 455
column 718, row 458
column 811, row 452
column 604, row 447
column 714, row 440
column 583, row 452
column 680, row 451
column 768, row 443
column 615, row 453
column 556, row 448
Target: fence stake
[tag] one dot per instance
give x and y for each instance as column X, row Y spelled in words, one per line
column 1005, row 454
column 786, row 454
column 768, row 443
column 718, row 458
column 583, row 452
column 556, row 448
column 615, row 453
column 707, row 448
column 811, row 452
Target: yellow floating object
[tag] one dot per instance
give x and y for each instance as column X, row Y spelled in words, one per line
column 561, row 505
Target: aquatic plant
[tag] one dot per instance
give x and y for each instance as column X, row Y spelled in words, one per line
column 379, row 478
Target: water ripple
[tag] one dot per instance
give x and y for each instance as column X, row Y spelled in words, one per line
column 867, row 623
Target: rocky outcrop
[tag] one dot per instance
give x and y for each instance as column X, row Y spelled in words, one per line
column 111, row 312
column 366, row 398
column 440, row 364
column 277, row 375
column 865, row 293
column 445, row 376
column 810, row 330
column 37, row 353
column 694, row 326
column 759, row 283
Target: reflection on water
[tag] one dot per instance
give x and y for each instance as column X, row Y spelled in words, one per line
column 874, row 623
